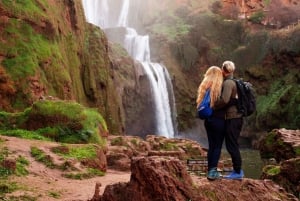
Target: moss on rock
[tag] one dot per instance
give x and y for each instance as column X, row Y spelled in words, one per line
column 61, row 121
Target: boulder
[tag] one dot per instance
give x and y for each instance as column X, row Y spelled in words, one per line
column 281, row 144
column 166, row 179
column 284, row 146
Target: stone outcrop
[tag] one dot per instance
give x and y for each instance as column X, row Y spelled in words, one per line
column 284, row 146
column 281, row 144
column 166, row 179
column 121, row 149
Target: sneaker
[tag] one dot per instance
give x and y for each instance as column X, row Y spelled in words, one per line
column 235, row 175
column 213, row 174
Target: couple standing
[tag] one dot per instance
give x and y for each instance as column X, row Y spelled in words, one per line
column 226, row 122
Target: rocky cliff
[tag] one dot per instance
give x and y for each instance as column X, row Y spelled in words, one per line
column 48, row 50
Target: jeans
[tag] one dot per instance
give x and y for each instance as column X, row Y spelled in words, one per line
column 233, row 130
column 215, row 129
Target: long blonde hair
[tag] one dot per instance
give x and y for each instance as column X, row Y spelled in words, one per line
column 213, row 79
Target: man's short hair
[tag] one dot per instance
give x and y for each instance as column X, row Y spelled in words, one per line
column 228, row 67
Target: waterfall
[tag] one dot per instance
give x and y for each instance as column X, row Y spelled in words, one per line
column 122, row 22
column 97, row 12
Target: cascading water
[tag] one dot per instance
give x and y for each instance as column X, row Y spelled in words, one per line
column 97, row 12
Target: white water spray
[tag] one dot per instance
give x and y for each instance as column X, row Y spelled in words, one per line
column 122, row 22
column 96, row 12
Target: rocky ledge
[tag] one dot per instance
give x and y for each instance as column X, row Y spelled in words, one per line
column 283, row 146
column 156, row 178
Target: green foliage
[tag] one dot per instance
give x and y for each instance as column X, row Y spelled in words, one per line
column 22, row 163
column 257, row 17
column 27, row 8
column 297, row 151
column 40, row 156
column 8, row 187
column 29, row 53
column 10, row 120
column 134, row 142
column 191, row 151
column 91, row 172
column 271, row 170
column 4, row 171
column 77, row 152
column 171, row 28
column 168, row 146
column 20, row 168
column 221, row 36
column 282, row 101
column 252, row 51
column 71, row 110
column 60, row 121
column 266, row 2
column 25, row 49
column 118, row 141
column 54, row 194
column 25, row 134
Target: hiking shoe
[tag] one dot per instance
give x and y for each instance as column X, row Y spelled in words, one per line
column 213, row 174
column 235, row 175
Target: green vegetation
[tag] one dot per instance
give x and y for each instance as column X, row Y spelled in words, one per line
column 134, row 142
column 40, row 156
column 10, row 166
column 297, row 151
column 60, row 121
column 28, row 52
column 54, row 194
column 91, row 172
column 25, row 134
column 7, row 187
column 257, row 17
column 168, row 146
column 21, row 197
column 266, row 2
column 282, row 100
column 73, row 152
column 78, row 152
column 22, row 163
column 172, row 32
column 26, row 8
column 271, row 170
column 192, row 152
column 118, row 141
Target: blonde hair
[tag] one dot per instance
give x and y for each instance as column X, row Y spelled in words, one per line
column 213, row 79
column 228, row 67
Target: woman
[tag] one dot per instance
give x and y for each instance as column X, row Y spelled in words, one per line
column 214, row 125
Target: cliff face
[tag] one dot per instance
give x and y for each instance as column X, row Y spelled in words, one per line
column 47, row 49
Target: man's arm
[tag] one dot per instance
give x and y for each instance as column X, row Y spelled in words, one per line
column 225, row 95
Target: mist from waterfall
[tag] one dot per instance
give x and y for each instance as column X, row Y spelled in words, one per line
column 97, row 12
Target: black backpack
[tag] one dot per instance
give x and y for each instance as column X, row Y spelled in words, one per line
column 246, row 103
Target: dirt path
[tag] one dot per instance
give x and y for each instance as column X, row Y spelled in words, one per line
column 48, row 184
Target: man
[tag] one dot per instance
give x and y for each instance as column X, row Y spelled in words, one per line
column 233, row 119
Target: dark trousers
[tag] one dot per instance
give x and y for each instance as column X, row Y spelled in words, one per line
column 233, row 130
column 215, row 129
